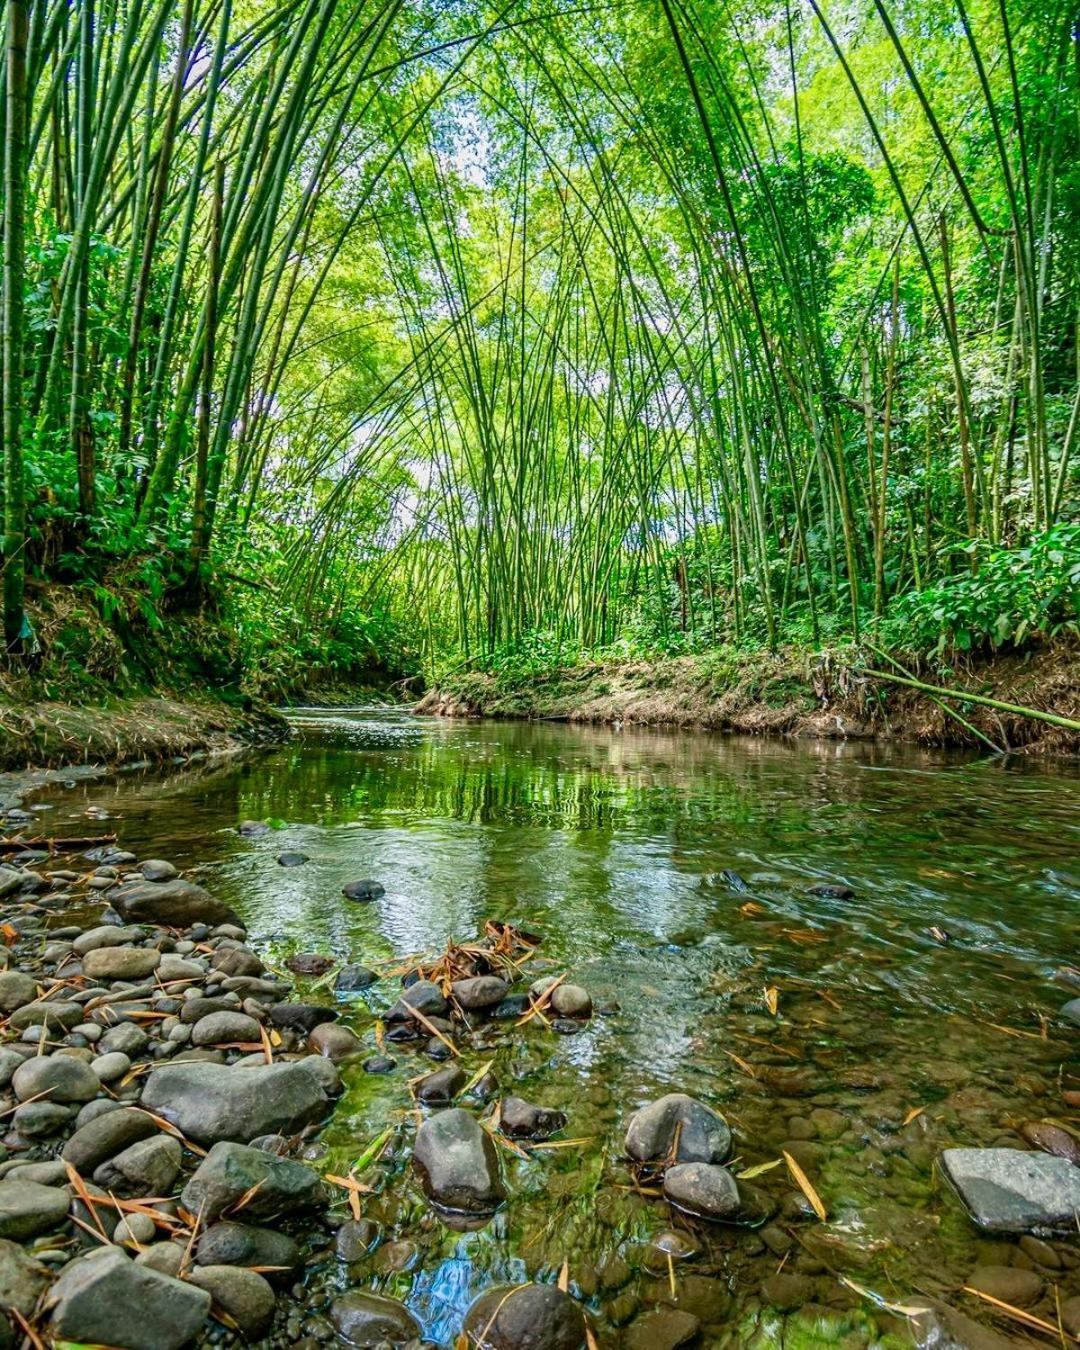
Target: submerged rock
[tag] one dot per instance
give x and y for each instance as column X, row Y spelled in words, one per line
column 703, row 1134
column 1009, row 1191
column 457, row 1163
column 522, row 1120
column 106, row 1299
column 352, row 978
column 210, row 1102
column 363, row 891
column 529, row 1317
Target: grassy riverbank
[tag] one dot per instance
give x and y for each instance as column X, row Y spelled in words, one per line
column 792, row 692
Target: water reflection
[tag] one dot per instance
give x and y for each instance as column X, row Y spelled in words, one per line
column 613, row 845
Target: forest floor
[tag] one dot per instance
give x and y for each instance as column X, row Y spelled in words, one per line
column 792, row 693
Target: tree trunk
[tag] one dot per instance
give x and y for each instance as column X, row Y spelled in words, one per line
column 14, row 244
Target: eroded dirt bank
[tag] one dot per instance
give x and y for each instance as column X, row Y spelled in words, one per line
column 791, row 693
column 47, row 735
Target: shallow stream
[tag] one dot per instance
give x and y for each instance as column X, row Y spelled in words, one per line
column 917, row 1015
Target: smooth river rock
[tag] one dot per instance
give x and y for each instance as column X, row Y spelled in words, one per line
column 28, row 1208
column 703, row 1134
column 209, row 1102
column 106, row 1299
column 1009, row 1191
column 457, row 1163
column 369, row 1320
column 176, row 903
column 120, row 963
column 705, row 1190
column 530, row 1317
column 55, row 1078
column 230, row 1171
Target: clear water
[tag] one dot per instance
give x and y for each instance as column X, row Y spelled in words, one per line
column 612, row 845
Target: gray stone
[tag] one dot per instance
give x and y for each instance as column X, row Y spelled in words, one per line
column 105, row 1136
column 209, row 1102
column 57, row 1078
column 571, row 1000
column 40, row 1120
column 705, row 1190
column 369, row 1320
column 522, row 1120
column 335, row 1042
column 157, row 869
column 1071, row 1011
column 138, row 1229
column 126, row 1037
column 166, row 1257
column 9, row 1062
column 107, row 1299
column 481, row 991
column 303, row 1017
column 58, row 1015
column 230, row 1171
column 661, row 1329
column 120, row 963
column 424, row 996
column 363, row 891
column 176, row 904
column 16, row 989
column 175, row 968
column 703, row 1135
column 243, row 1294
column 1009, row 1191
column 27, row 1208
column 245, row 1244
column 351, row 978
column 457, row 1163
column 225, row 1028
column 441, row 1086
column 22, row 1279
column 147, row 1168
column 107, row 935
column 528, row 1317
column 111, row 1066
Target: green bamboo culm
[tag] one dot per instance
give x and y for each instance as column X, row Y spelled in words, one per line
column 15, row 104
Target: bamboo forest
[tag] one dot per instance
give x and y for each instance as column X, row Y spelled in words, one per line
column 540, row 693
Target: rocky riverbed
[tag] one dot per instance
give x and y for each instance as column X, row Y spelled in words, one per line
column 166, row 1179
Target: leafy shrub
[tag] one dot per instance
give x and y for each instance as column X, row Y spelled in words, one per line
column 1013, row 595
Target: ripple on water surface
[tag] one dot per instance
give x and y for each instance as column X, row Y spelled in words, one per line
column 909, row 1017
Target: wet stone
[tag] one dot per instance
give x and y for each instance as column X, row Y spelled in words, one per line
column 479, row 992
column 369, row 1320
column 363, row 891
column 703, row 1135
column 530, row 1317
column 662, row 1329
column 1021, row 1288
column 522, row 1120
column 1009, row 1191
column 354, row 1239
column 457, row 1164
column 350, row 979
column 243, row 1294
column 424, row 996
column 705, row 1190
column 441, row 1086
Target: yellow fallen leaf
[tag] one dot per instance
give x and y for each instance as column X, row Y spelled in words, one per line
column 772, row 998
column 803, row 1182
column 913, row 1113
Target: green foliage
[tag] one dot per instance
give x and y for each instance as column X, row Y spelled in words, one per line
column 1012, row 595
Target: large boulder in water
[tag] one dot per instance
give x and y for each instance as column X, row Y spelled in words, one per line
column 703, row 1135
column 1008, row 1190
column 530, row 1317
column 175, row 904
column 208, row 1102
column 457, row 1163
